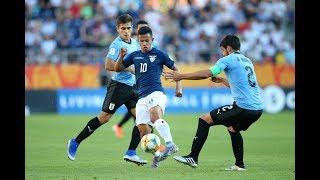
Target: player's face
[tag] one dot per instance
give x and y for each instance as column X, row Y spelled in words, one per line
column 125, row 30
column 140, row 26
column 224, row 51
column 145, row 42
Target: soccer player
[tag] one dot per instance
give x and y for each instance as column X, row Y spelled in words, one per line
column 120, row 91
column 148, row 63
column 245, row 110
column 117, row 128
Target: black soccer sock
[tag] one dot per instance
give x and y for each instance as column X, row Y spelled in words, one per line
column 237, row 147
column 135, row 139
column 199, row 139
column 91, row 126
column 125, row 119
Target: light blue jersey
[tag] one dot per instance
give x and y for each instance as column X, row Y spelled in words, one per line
column 114, row 51
column 242, row 80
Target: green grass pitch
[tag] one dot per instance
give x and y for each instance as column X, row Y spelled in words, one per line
column 268, row 150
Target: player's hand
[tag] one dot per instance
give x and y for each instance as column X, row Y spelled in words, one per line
column 173, row 75
column 217, row 79
column 123, row 52
column 179, row 92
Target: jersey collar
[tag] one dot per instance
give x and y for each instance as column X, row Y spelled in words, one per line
column 236, row 52
column 126, row 41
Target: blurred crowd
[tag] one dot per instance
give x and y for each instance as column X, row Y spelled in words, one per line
column 65, row 31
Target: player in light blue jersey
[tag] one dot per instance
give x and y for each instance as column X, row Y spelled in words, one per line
column 247, row 106
column 120, row 91
column 148, row 63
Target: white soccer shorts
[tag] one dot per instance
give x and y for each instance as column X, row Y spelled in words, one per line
column 143, row 105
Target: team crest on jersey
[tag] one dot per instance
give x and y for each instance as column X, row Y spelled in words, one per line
column 152, row 58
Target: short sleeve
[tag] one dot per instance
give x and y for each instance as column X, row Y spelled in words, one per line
column 114, row 51
column 167, row 61
column 128, row 60
column 223, row 63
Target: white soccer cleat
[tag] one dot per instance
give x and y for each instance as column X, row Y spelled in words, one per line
column 168, row 152
column 135, row 159
column 235, row 168
column 186, row 160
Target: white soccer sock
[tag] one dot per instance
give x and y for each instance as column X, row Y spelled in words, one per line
column 164, row 130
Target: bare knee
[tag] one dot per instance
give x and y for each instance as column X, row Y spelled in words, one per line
column 155, row 113
column 104, row 117
column 207, row 118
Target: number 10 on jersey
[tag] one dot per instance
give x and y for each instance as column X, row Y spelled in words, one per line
column 143, row 67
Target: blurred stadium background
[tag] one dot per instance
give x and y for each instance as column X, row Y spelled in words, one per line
column 66, row 42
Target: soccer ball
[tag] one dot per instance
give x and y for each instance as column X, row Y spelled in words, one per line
column 150, row 143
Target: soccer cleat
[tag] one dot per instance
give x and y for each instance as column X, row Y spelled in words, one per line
column 186, row 160
column 135, row 159
column 118, row 131
column 236, row 168
column 169, row 151
column 72, row 149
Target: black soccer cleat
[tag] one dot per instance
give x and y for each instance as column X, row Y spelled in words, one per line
column 186, row 160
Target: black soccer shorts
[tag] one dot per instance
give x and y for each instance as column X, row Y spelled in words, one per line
column 233, row 115
column 117, row 95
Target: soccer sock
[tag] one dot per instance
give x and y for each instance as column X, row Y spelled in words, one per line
column 237, row 147
column 199, row 139
column 135, row 139
column 124, row 119
column 164, row 131
column 91, row 126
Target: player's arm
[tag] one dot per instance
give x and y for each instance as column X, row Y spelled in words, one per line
column 203, row 74
column 220, row 80
column 178, row 83
column 167, row 61
column 112, row 56
column 198, row 75
column 110, row 66
column 119, row 66
column 215, row 70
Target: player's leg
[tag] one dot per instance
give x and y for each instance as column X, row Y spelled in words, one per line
column 237, row 148
column 130, row 154
column 111, row 103
column 246, row 118
column 125, row 119
column 221, row 116
column 117, row 128
column 156, row 102
column 89, row 128
column 204, row 123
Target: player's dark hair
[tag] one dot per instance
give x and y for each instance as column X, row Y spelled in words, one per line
column 124, row 18
column 231, row 40
column 145, row 30
column 142, row 22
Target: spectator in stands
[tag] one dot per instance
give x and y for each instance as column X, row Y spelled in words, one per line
column 181, row 29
